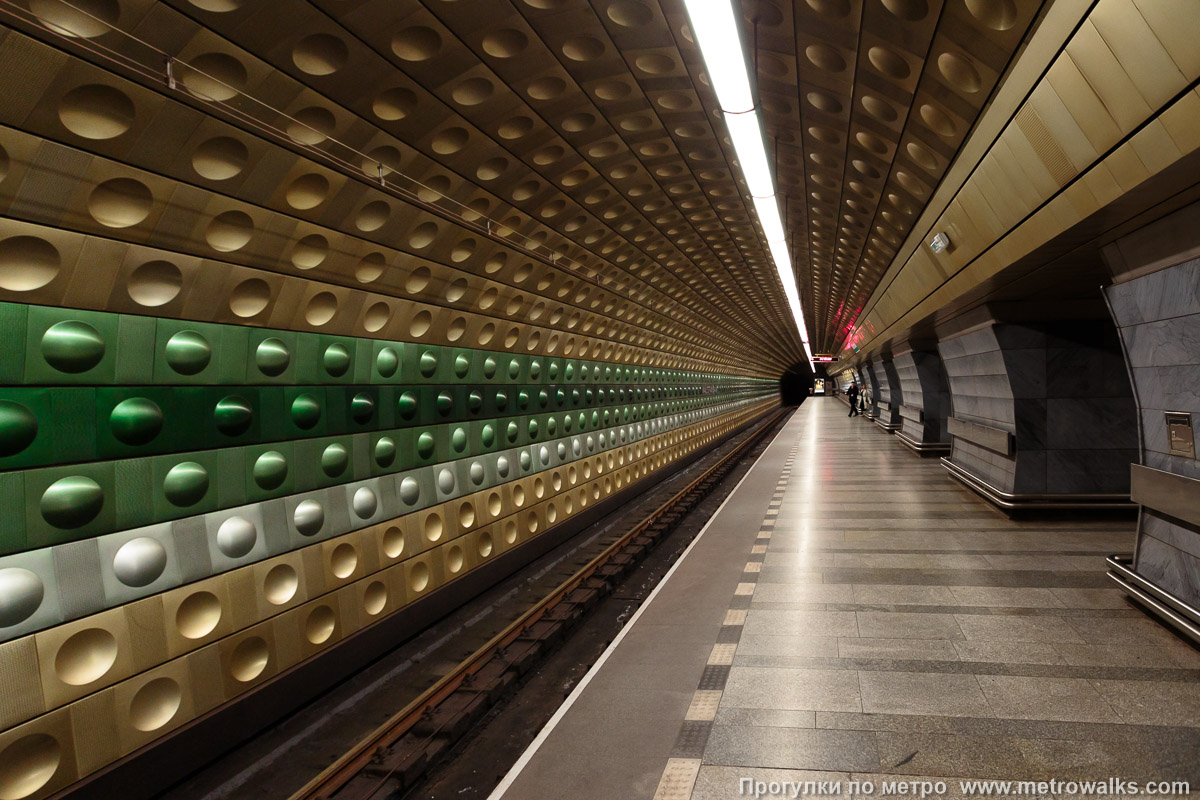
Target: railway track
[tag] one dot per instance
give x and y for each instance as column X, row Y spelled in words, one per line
column 397, row 754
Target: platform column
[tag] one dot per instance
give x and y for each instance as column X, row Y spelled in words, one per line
column 1041, row 408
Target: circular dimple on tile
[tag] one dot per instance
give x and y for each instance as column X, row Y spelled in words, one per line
column 394, row 104
column 185, row 484
column 865, row 169
column 249, row 659
column 136, row 421
column 879, row 109
column 472, row 91
column 320, row 54
column 309, row 517
column 229, row 231
column 377, row 316
column 654, row 63
column 959, row 72
column 95, row 111
column 139, row 561
column 250, row 298
column 321, row 309
column 311, row 125
column 21, row 594
column 281, row 584
column 826, row 135
column 421, row 237
column 28, row 764
column 217, row 6
column 27, row 263
column 888, row 62
column 825, row 57
column 911, row 184
column 155, row 704
column 83, row 19
column 373, row 216
column 310, row 252
column 450, row 141
column 908, row 10
column 237, row 535
column 364, row 503
column 370, row 268
column 612, row 90
column 578, row 123
column 418, row 43
column 198, row 615
column 830, row 8
column 417, row 280
column 871, row 142
column 120, row 203
column 922, row 156
column 937, row 120
column 999, row 15
column 546, row 88
column 220, row 158
column 307, row 192
column 334, row 460
column 629, row 14
column 214, row 76
column 583, row 48
column 85, row 657
column 505, row 43
column 343, row 560
column 155, row 283
column 72, row 346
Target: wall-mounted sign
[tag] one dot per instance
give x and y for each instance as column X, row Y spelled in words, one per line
column 825, row 359
column 1180, row 440
column 940, row 243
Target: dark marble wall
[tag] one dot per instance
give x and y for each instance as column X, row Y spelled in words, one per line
column 924, row 386
column 1158, row 316
column 873, row 380
column 1061, row 389
column 891, row 394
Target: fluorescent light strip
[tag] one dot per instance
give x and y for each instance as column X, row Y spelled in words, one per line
column 716, row 27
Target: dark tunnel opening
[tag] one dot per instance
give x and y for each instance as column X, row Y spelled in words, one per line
column 797, row 384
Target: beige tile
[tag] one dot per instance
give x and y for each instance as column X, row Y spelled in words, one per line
column 901, row 649
column 882, row 594
column 898, row 625
column 1092, row 598
column 1009, row 652
column 1152, row 702
column 801, row 623
column 1123, row 630
column 1004, row 597
column 1125, row 655
column 775, row 645
column 1059, row 699
column 804, row 593
column 1009, row 628
column 922, row 693
column 792, row 689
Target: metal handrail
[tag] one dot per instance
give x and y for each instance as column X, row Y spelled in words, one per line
column 1032, row 500
column 1173, row 610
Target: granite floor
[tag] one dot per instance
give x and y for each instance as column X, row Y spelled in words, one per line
column 851, row 613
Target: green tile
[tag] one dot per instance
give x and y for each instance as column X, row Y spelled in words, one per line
column 66, row 346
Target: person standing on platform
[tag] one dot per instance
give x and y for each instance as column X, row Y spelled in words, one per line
column 852, row 396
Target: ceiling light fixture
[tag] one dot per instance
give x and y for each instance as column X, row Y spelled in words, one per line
column 716, row 28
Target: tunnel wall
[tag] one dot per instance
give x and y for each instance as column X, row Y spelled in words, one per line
column 251, row 404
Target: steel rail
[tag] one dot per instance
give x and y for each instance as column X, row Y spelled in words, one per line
column 353, row 763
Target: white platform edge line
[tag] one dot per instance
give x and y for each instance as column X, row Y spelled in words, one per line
column 544, row 734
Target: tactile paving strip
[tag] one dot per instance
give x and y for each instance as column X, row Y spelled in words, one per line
column 679, row 777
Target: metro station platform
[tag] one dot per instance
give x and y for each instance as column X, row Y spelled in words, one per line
column 851, row 613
